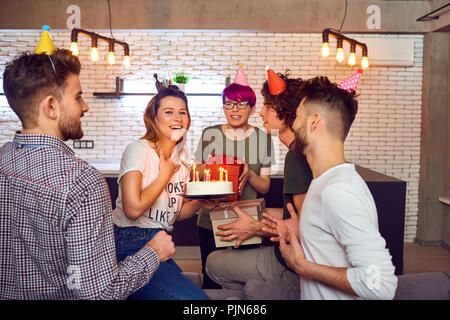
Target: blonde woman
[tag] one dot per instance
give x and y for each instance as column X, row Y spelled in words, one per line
column 153, row 172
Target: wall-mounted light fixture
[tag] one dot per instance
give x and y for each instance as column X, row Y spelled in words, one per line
column 326, row 33
column 94, row 46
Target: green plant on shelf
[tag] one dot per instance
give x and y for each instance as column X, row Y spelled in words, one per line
column 181, row 78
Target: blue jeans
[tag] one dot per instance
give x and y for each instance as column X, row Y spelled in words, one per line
column 168, row 282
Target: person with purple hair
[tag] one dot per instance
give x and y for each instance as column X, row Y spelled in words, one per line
column 236, row 138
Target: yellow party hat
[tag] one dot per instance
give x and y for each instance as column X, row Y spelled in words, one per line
column 45, row 44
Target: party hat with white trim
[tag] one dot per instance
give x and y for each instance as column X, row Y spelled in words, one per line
column 276, row 84
column 45, row 44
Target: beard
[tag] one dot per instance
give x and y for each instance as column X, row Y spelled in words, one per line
column 301, row 140
column 70, row 129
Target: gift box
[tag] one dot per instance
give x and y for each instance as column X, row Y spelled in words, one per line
column 224, row 214
column 234, row 167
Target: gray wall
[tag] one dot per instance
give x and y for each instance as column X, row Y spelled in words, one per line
column 251, row 15
column 433, row 219
column 446, row 222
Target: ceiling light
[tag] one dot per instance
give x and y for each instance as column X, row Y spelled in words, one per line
column 326, row 33
column 94, row 46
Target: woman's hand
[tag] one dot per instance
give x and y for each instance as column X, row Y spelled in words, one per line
column 243, row 178
column 208, row 204
column 166, row 166
column 189, row 208
column 261, row 183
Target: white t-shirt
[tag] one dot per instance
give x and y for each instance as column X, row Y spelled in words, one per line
column 140, row 156
column 339, row 228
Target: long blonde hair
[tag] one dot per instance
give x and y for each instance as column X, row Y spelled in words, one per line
column 152, row 133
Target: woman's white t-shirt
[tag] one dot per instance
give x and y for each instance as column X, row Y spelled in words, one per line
column 140, row 156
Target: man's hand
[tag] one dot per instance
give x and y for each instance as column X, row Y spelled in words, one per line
column 163, row 245
column 278, row 226
column 243, row 228
column 292, row 252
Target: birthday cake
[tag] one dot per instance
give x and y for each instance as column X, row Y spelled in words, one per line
column 219, row 184
column 194, row 188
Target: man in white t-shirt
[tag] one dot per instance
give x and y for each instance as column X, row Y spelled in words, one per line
column 341, row 254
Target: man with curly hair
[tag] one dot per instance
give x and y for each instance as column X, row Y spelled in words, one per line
column 233, row 268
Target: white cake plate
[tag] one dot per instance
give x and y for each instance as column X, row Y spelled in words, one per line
column 208, row 196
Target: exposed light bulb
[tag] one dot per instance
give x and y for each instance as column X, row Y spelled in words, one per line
column 94, row 54
column 111, row 57
column 74, row 48
column 364, row 63
column 352, row 59
column 325, row 49
column 340, row 55
column 126, row 61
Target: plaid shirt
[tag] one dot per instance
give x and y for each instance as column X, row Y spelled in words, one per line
column 56, row 231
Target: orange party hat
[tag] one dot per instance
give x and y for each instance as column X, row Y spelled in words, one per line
column 276, row 84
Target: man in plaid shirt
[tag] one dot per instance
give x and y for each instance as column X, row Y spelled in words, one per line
column 56, row 230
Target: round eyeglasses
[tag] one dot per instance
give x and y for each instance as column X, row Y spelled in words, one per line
column 240, row 105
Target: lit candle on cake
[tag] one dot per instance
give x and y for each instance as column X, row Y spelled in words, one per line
column 193, row 172
column 226, row 175
column 207, row 176
column 220, row 174
column 196, row 176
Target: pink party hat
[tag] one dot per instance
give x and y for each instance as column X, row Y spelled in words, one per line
column 351, row 82
column 240, row 77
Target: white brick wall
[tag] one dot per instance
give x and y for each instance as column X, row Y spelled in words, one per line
column 385, row 135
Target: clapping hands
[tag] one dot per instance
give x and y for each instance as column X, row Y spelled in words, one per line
column 288, row 237
column 281, row 227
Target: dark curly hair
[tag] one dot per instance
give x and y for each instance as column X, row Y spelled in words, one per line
column 30, row 77
column 339, row 105
column 285, row 104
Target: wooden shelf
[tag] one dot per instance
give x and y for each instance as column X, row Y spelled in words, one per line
column 122, row 94
column 119, row 93
column 445, row 199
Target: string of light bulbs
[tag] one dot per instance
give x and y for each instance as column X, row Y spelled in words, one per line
column 340, row 56
column 94, row 46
